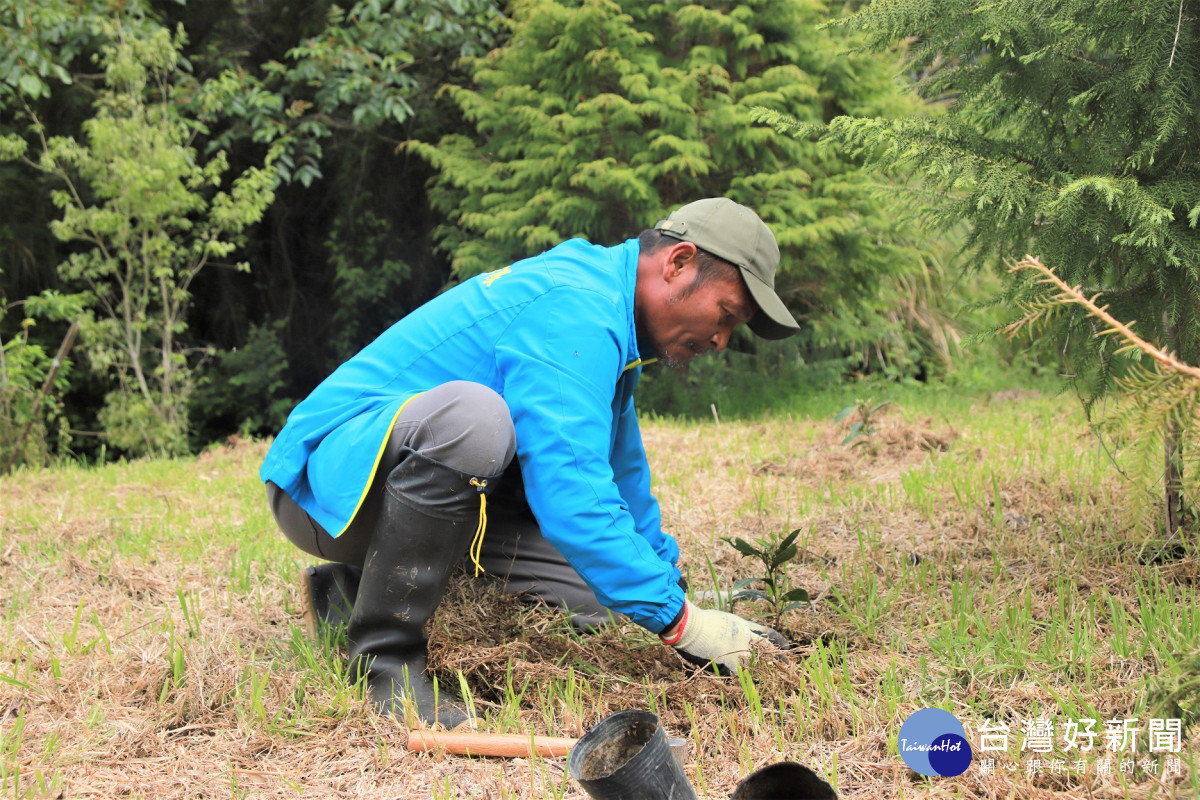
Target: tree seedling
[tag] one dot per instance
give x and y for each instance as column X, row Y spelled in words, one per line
column 774, row 556
column 863, row 426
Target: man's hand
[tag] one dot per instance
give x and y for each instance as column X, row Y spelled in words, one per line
column 705, row 637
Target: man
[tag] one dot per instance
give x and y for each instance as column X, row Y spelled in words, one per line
column 497, row 421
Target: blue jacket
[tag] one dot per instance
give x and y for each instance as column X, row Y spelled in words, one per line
column 554, row 335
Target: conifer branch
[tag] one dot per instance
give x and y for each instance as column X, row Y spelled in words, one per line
column 1068, row 294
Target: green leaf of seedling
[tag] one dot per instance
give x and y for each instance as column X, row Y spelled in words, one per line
column 881, row 405
column 845, row 412
column 791, row 537
column 783, row 556
column 744, row 582
column 855, row 430
column 791, row 606
column 797, row 594
column 750, row 594
column 744, row 547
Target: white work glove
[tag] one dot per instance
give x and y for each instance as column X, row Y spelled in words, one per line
column 706, row 637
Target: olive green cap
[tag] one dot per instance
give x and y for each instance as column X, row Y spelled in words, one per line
column 733, row 232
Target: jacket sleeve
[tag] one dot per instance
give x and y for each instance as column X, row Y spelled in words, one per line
column 559, row 363
column 632, row 474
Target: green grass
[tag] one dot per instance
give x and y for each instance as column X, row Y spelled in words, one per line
column 972, row 556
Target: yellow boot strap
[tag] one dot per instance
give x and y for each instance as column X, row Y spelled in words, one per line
column 477, row 543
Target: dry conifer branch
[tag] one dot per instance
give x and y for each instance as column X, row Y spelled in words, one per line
column 1069, row 294
column 1178, row 27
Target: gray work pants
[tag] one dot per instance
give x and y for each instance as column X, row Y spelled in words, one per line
column 468, row 427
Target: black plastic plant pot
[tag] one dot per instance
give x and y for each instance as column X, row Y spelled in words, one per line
column 626, row 757
column 786, row 780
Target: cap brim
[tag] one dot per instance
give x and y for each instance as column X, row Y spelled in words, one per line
column 773, row 320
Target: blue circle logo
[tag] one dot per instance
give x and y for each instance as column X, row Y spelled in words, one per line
column 934, row 742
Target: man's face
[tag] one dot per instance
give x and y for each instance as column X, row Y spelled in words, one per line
column 691, row 321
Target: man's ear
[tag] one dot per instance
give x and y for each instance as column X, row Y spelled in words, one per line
column 676, row 260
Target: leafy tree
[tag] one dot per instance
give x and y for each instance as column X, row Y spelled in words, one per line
column 345, row 249
column 31, row 383
column 148, row 216
column 599, row 116
column 44, row 47
column 326, row 92
column 1069, row 132
column 38, row 42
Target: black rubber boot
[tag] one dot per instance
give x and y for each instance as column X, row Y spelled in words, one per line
column 328, row 591
column 428, row 518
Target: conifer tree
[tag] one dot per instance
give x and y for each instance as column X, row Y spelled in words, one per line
column 1070, row 132
column 598, row 117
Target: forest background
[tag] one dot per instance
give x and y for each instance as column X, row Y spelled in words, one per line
column 210, row 205
column 384, row 152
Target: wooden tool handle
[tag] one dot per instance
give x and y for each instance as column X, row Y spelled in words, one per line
column 512, row 745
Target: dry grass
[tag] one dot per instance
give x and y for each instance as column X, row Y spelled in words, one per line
column 150, row 644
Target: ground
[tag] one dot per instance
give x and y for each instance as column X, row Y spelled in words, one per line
column 970, row 555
